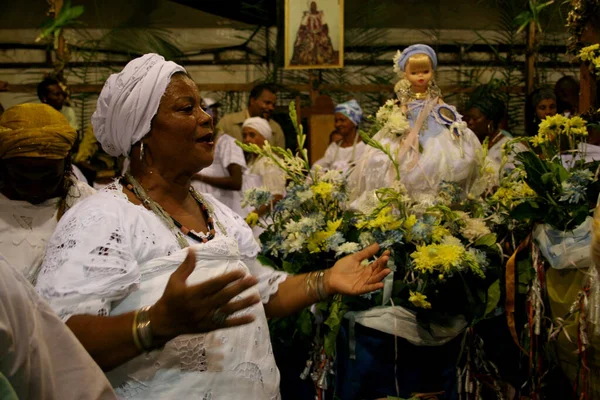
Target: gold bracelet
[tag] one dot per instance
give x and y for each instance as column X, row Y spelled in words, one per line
column 321, row 293
column 134, row 332
column 144, row 328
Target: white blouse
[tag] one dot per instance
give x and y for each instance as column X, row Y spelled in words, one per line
column 109, row 256
column 227, row 152
column 266, row 174
column 39, row 355
column 341, row 158
column 25, row 228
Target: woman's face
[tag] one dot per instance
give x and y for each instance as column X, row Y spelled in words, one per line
column 33, row 179
column 251, row 136
column 344, row 126
column 182, row 134
column 545, row 108
column 477, row 122
column 419, row 78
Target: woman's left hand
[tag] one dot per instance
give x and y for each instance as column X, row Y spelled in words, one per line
column 350, row 276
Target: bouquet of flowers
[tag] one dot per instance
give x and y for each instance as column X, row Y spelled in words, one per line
column 445, row 255
column 307, row 230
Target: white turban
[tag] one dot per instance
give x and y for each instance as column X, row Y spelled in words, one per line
column 128, row 102
column 260, row 125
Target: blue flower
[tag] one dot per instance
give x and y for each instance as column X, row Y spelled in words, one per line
column 421, row 230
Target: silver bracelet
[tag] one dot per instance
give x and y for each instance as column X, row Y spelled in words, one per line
column 144, row 329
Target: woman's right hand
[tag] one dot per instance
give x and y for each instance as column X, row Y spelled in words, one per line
column 184, row 309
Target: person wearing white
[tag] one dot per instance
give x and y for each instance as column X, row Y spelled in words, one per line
column 38, row 185
column 224, row 178
column 342, row 155
column 118, row 273
column 262, row 171
column 39, row 356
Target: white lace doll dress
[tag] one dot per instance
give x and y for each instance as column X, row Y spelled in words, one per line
column 109, row 256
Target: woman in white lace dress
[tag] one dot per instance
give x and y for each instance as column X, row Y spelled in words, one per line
column 37, row 184
column 115, row 268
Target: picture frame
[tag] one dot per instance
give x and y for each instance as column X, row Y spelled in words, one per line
column 314, row 34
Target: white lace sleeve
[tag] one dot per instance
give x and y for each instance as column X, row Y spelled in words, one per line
column 236, row 227
column 268, row 279
column 89, row 260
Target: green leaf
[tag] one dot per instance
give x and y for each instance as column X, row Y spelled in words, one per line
column 493, row 297
column 305, row 323
column 266, row 261
column 488, row 240
column 334, row 322
column 291, row 268
column 526, row 210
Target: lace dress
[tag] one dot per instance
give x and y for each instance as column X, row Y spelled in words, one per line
column 110, row 256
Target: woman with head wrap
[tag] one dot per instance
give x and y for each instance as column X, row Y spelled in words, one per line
column 342, row 155
column 541, row 104
column 483, row 116
column 119, row 271
column 262, row 171
column 428, row 139
column 36, row 182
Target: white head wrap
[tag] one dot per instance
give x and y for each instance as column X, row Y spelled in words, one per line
column 128, row 102
column 260, row 125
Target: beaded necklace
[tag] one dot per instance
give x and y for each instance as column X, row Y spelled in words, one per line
column 174, row 226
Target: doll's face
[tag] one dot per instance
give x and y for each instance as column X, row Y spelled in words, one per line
column 419, row 77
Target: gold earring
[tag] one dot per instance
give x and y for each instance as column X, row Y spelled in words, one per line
column 142, row 152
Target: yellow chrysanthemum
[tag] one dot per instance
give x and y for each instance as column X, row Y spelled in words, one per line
column 576, row 126
column 316, row 242
column 410, row 222
column 538, row 140
column 385, row 221
column 438, row 232
column 450, row 256
column 443, row 257
column 419, row 300
column 252, row 219
column 322, row 189
column 552, row 126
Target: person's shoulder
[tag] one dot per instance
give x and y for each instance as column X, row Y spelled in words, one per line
column 275, row 125
column 110, row 199
column 233, row 118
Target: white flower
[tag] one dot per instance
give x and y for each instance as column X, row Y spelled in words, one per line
column 384, row 112
column 452, row 240
column 475, row 228
column 396, row 59
column 294, row 243
column 304, row 195
column 347, row 248
column 397, row 123
column 333, row 176
column 366, row 239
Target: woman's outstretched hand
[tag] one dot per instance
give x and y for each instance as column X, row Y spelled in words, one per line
column 350, row 276
column 204, row 307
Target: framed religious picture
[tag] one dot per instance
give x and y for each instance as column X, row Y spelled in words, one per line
column 314, row 34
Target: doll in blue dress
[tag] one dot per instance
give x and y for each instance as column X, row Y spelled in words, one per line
column 427, row 137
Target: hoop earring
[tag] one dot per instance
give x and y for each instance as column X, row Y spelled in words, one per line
column 142, row 152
